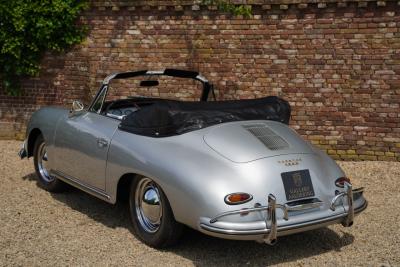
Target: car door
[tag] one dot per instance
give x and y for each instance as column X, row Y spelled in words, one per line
column 82, row 142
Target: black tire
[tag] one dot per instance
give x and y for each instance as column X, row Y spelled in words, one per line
column 47, row 182
column 169, row 230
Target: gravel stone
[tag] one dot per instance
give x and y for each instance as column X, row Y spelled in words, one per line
column 38, row 228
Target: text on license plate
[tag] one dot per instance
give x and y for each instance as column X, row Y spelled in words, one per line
column 297, row 184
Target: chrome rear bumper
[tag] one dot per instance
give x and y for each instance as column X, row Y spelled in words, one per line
column 272, row 230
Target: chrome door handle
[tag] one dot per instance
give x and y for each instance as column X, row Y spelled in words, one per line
column 102, row 142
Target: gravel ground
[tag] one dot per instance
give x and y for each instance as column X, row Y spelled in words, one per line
column 73, row 228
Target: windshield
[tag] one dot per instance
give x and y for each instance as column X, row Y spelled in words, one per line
column 119, row 93
column 167, row 88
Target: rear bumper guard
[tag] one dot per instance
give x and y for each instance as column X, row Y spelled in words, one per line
column 23, row 152
column 271, row 230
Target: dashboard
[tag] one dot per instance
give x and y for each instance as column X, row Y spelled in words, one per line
column 120, row 113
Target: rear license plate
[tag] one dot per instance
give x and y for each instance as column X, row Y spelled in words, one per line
column 297, row 184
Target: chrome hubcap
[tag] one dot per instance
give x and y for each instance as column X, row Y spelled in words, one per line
column 43, row 163
column 148, row 205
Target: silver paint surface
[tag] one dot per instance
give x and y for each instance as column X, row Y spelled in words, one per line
column 196, row 170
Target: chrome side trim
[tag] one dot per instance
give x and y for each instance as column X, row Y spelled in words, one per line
column 83, row 186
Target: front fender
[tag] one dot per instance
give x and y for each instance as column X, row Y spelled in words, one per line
column 44, row 121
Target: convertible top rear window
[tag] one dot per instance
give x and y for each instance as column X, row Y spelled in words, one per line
column 169, row 117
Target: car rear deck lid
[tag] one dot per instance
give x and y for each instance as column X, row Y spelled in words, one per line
column 251, row 140
column 267, row 136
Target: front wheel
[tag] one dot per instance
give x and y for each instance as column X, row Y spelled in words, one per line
column 151, row 215
column 40, row 161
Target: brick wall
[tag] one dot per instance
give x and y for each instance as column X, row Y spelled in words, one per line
column 337, row 62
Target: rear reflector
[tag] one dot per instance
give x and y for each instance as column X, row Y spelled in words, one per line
column 237, row 198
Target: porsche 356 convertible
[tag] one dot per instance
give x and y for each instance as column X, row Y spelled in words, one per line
column 231, row 169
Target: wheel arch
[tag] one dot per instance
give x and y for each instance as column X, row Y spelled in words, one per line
column 33, row 135
column 123, row 185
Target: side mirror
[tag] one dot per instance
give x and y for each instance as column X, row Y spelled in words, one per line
column 77, row 106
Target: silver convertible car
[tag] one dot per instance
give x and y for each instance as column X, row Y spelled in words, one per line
column 231, row 169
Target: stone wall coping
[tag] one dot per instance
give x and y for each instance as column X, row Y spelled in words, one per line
column 319, row 3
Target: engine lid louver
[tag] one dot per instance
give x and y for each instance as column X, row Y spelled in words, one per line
column 267, row 136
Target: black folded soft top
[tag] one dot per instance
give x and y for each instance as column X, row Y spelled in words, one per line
column 169, row 117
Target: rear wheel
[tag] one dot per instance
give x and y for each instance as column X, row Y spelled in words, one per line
column 40, row 161
column 151, row 215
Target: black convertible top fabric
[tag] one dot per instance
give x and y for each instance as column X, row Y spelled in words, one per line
column 169, row 117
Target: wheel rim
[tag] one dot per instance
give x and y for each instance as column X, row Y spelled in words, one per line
column 43, row 163
column 148, row 205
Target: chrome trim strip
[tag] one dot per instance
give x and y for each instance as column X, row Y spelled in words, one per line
column 118, row 117
column 155, row 72
column 242, row 211
column 104, row 98
column 201, row 78
column 107, row 80
column 84, row 187
column 304, row 206
column 248, row 210
column 287, row 229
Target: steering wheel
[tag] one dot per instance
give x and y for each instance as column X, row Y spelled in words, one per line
column 109, row 107
column 120, row 111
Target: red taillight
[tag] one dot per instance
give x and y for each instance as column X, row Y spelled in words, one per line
column 340, row 181
column 237, row 198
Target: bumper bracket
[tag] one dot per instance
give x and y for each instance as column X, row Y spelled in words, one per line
column 22, row 152
column 347, row 194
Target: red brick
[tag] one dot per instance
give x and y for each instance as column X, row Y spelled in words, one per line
column 338, row 67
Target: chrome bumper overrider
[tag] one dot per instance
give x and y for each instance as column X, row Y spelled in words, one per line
column 272, row 230
column 22, row 152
